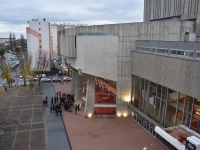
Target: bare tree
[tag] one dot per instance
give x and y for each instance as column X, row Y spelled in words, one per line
column 14, row 41
column 22, row 42
column 11, row 41
column 42, row 62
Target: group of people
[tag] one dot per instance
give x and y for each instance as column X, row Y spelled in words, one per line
column 61, row 100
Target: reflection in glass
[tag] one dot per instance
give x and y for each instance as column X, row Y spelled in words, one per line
column 172, row 97
column 179, row 117
column 186, row 119
column 137, row 93
column 181, row 101
column 188, row 104
column 157, row 109
column 170, row 116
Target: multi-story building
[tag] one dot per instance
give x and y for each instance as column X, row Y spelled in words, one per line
column 146, row 70
column 41, row 40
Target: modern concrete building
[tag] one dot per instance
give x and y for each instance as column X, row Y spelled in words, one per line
column 146, row 70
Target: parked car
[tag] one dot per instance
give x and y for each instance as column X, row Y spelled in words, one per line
column 67, row 79
column 43, row 75
column 35, row 79
column 56, row 79
column 45, row 80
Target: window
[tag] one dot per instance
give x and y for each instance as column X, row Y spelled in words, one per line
column 39, row 40
column 162, row 50
column 39, row 28
column 40, row 46
column 39, row 23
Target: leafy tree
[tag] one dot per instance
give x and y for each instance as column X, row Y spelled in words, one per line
column 24, row 69
column 2, row 51
column 5, row 69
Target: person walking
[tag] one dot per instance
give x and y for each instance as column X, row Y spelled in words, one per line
column 5, row 88
column 46, row 102
column 78, row 107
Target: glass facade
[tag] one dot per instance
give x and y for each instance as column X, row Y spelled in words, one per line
column 164, row 105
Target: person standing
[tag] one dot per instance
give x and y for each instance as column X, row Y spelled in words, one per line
column 46, row 101
column 51, row 100
column 5, row 88
column 75, row 112
column 60, row 94
column 55, row 99
column 78, row 107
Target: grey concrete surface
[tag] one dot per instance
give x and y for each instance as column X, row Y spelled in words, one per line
column 57, row 137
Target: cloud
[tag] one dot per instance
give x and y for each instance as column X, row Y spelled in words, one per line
column 17, row 13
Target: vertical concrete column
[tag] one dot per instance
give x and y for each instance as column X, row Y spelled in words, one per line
column 73, row 83
column 79, row 91
column 90, row 96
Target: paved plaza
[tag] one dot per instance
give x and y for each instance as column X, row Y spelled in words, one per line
column 105, row 133
column 30, row 126
column 22, row 114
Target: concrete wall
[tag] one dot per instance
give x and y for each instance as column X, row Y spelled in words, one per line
column 158, row 9
column 178, row 73
column 97, row 56
column 128, row 33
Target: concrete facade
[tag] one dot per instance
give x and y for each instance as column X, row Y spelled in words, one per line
column 158, row 67
column 173, row 10
column 72, row 44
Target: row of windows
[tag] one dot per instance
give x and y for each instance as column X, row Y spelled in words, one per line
column 174, row 52
column 164, row 105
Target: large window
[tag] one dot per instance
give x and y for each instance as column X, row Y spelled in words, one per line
column 166, row 106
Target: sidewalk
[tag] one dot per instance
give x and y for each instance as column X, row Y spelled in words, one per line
column 105, row 133
column 56, row 133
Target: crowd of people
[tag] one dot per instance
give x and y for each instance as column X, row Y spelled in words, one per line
column 62, row 101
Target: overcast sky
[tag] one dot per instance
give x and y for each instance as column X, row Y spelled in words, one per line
column 14, row 15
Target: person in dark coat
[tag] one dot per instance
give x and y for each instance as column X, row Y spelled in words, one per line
column 43, row 102
column 75, row 112
column 55, row 99
column 60, row 94
column 46, row 101
column 52, row 100
column 78, row 107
